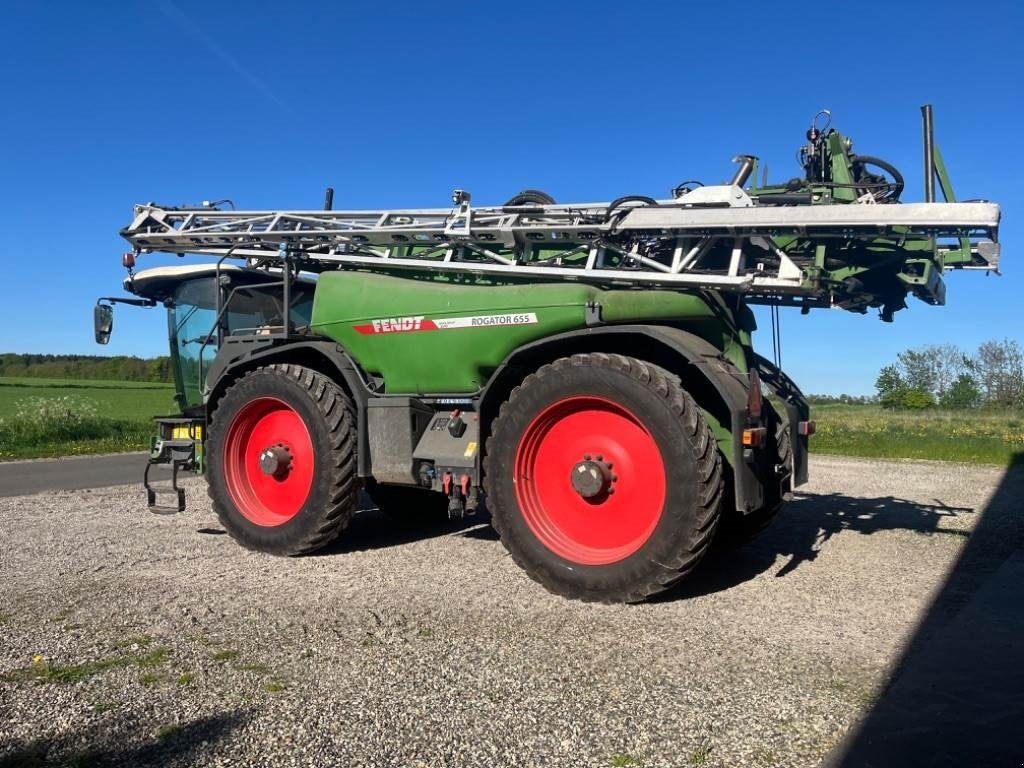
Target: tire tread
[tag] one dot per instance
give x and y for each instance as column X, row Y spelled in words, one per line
column 337, row 411
column 668, row 388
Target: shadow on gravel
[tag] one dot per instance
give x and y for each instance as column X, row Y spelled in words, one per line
column 169, row 745
column 804, row 528
column 372, row 529
column 956, row 697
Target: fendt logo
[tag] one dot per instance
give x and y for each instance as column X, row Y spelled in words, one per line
column 420, row 323
column 395, row 324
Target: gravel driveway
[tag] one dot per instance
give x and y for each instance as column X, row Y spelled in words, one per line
column 140, row 640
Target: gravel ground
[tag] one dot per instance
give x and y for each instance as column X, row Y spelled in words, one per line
column 142, row 640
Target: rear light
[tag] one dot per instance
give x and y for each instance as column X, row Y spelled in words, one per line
column 754, row 438
column 755, row 401
column 805, row 428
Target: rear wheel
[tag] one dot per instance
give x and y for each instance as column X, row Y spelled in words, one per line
column 603, row 478
column 281, row 460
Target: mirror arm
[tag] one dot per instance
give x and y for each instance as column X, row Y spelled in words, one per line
column 133, row 302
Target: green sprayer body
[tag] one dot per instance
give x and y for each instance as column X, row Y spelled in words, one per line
column 434, row 336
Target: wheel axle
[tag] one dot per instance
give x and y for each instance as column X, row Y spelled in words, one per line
column 591, row 479
column 275, row 460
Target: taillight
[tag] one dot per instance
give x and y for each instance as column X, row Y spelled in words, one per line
column 755, row 401
column 805, row 428
column 754, row 438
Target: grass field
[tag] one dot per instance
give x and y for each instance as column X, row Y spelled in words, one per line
column 61, row 417
column 55, row 417
column 974, row 436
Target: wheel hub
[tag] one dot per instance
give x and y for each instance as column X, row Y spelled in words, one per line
column 592, row 479
column 275, row 460
column 268, row 461
column 589, row 480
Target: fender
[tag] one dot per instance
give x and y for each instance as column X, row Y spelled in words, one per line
column 238, row 354
column 797, row 410
column 705, row 362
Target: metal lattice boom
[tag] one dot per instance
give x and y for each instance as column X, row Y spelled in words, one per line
column 718, row 238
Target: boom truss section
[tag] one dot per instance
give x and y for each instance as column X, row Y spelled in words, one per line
column 716, row 238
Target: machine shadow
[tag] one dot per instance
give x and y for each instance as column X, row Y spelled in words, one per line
column 372, row 529
column 956, row 696
column 175, row 745
column 804, row 527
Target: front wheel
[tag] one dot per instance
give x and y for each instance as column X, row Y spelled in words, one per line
column 281, row 460
column 603, row 478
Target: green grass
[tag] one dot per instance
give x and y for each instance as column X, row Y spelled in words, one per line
column 164, row 732
column 69, row 674
column 700, row 756
column 974, row 436
column 112, row 399
column 57, row 417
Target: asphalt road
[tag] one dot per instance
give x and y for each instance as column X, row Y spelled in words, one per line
column 19, row 478
column 877, row 615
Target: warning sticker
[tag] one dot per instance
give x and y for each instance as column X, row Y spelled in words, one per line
column 421, row 323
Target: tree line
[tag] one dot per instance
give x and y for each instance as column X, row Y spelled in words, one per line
column 944, row 375
column 118, row 368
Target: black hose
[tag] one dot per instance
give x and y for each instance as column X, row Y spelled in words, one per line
column 686, row 186
column 530, row 197
column 784, row 198
column 895, row 186
column 628, row 199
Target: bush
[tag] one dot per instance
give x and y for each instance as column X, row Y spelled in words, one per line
column 42, row 419
column 892, row 399
column 905, row 398
column 64, row 422
column 918, row 400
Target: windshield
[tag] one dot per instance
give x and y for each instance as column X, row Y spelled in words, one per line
column 193, row 336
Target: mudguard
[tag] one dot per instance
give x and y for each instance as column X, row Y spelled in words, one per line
column 702, row 358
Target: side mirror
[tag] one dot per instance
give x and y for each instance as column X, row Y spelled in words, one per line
column 103, row 322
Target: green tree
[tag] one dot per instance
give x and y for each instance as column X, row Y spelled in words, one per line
column 962, row 393
column 999, row 367
column 918, row 369
column 891, row 387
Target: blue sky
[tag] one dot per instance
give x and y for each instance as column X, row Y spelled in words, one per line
column 394, row 105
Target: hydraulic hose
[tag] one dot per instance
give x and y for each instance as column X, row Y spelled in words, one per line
column 895, row 187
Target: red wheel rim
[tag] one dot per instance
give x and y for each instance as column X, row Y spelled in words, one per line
column 615, row 522
column 268, row 498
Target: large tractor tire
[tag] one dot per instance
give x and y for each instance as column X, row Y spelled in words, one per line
column 408, row 506
column 603, row 478
column 281, row 460
column 736, row 528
